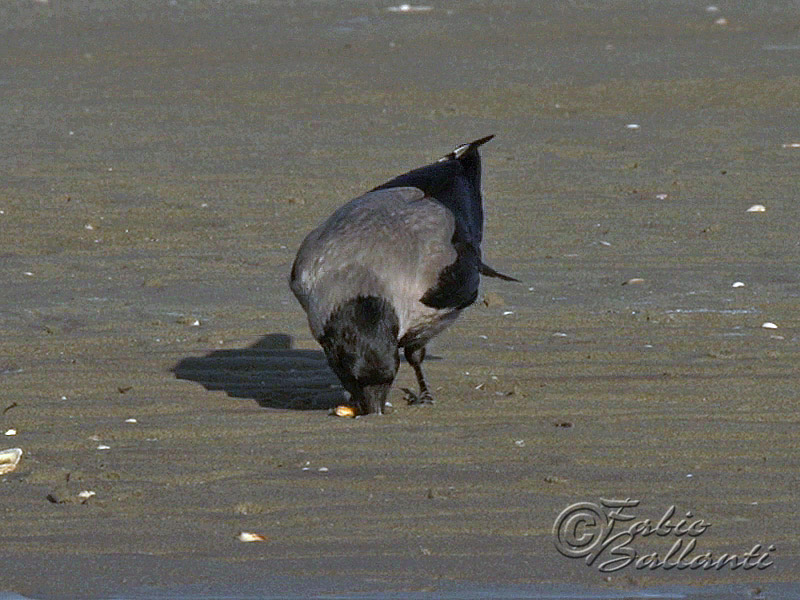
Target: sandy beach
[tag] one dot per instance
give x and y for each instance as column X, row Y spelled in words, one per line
column 161, row 163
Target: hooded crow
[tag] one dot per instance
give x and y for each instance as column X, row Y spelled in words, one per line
column 391, row 269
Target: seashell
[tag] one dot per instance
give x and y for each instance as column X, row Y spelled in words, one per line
column 757, row 208
column 11, row 431
column 737, row 284
column 247, row 536
column 9, row 460
column 769, row 325
column 632, row 126
column 86, row 494
column 791, row 145
column 131, row 420
column 633, row 280
column 405, row 8
column 344, row 411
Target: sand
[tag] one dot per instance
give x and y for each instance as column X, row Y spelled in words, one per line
column 161, row 163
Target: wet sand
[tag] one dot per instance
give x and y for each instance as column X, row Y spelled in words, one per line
column 162, row 162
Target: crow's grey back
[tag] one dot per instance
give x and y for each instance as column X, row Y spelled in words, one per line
column 391, row 243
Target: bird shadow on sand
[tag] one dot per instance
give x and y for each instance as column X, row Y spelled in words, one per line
column 270, row 372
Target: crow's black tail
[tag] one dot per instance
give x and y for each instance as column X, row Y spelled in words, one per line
column 485, row 269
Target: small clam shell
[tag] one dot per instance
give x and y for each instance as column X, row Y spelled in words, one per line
column 247, row 536
column 9, row 460
column 757, row 208
column 769, row 325
column 344, row 411
column 407, row 8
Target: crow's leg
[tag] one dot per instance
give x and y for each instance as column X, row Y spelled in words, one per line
column 415, row 355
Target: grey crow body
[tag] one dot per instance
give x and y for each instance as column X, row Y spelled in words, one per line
column 391, row 269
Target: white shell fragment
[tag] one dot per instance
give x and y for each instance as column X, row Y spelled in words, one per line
column 633, row 281
column 9, row 459
column 131, row 420
column 407, row 8
column 247, row 536
column 86, row 494
column 791, row 145
column 757, row 208
column 737, row 284
column 769, row 325
column 11, row 431
column 632, row 126
column 103, row 447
